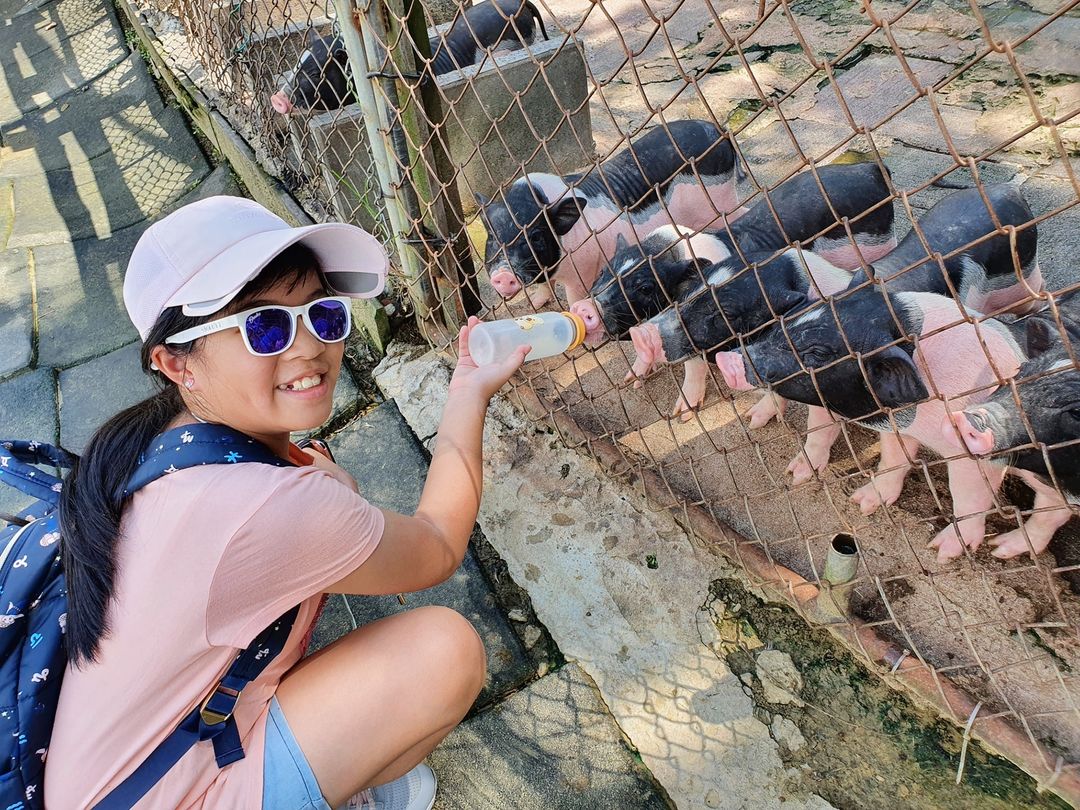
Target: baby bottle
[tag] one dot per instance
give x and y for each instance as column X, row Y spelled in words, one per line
column 547, row 332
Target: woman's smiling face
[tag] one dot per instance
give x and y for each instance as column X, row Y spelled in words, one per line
column 262, row 396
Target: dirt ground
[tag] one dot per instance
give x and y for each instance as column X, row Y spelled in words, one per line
column 1005, row 631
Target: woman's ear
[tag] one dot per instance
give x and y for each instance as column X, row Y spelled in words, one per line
column 171, row 365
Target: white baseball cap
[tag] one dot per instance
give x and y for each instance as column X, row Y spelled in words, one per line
column 200, row 256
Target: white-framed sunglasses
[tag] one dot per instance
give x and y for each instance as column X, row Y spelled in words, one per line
column 271, row 329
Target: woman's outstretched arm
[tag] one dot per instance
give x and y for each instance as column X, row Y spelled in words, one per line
column 423, row 550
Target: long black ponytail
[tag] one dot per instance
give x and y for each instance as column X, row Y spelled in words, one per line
column 92, row 500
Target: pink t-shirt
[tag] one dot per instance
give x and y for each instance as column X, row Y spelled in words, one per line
column 208, row 557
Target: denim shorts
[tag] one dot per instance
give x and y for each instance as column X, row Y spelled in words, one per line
column 288, row 782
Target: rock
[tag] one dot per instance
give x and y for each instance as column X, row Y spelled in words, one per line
column 517, row 615
column 787, row 733
column 779, row 678
column 531, row 635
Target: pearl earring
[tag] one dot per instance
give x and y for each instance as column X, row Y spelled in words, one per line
column 190, row 381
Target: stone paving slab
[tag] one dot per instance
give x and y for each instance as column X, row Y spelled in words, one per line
column 131, row 135
column 390, row 467
column 102, row 196
column 28, row 406
column 51, row 24
column 220, row 181
column 93, row 392
column 15, row 312
column 36, row 76
column 27, row 411
column 1057, row 235
column 7, row 208
column 1055, row 50
column 553, row 745
column 120, row 113
column 124, row 85
column 874, row 88
column 80, row 298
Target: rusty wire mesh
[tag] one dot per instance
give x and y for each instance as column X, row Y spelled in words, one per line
column 943, row 94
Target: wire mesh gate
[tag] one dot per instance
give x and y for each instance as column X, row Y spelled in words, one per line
column 943, row 96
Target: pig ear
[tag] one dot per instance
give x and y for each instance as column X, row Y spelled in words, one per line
column 894, row 378
column 1040, row 336
column 565, row 214
column 621, row 244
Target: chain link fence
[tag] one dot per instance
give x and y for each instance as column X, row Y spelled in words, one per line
column 966, row 120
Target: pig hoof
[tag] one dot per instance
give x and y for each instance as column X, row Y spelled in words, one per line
column 762, row 412
column 801, row 470
column 879, row 492
column 1014, row 543
column 539, row 298
column 950, row 545
column 685, row 408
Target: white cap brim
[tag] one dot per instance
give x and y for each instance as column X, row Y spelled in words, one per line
column 353, row 262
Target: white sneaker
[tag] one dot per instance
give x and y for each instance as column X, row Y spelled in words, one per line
column 413, row 791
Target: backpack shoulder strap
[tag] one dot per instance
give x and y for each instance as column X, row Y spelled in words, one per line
column 18, row 468
column 212, row 720
column 172, row 451
column 196, row 446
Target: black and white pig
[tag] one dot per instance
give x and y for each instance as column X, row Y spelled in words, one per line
column 1045, row 394
column 495, row 24
column 987, row 274
column 735, row 299
column 643, row 279
column 547, row 228
column 900, row 377
column 320, row 79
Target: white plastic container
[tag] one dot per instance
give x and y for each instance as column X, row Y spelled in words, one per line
column 548, row 333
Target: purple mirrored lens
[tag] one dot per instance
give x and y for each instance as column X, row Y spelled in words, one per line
column 268, row 330
column 329, row 320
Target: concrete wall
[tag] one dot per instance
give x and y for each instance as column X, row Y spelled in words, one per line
column 550, row 78
column 491, row 130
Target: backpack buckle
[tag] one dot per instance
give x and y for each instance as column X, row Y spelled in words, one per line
column 226, row 704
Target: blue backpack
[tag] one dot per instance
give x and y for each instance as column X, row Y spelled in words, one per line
column 33, row 615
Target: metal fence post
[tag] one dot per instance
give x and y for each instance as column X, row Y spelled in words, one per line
column 425, row 119
column 394, row 34
column 359, row 46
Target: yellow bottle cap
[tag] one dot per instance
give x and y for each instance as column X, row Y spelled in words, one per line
column 579, row 325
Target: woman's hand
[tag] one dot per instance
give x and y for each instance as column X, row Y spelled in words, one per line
column 485, row 380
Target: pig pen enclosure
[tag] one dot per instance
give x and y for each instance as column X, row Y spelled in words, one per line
column 944, row 96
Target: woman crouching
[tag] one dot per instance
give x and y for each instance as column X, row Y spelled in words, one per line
column 243, row 321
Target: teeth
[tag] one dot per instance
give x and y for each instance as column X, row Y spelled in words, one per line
column 302, row 384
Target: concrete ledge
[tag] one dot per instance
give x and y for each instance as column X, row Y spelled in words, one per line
column 580, row 543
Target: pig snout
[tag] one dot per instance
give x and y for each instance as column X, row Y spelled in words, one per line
column 505, row 283
column 587, row 311
column 649, row 348
column 970, row 427
column 281, row 102
column 733, row 367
